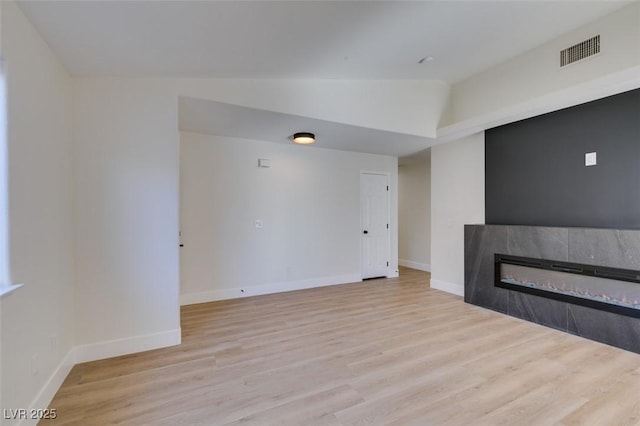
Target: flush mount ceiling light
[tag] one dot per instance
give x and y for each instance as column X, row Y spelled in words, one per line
column 304, row 138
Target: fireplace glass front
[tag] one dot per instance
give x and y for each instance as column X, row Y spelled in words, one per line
column 610, row 289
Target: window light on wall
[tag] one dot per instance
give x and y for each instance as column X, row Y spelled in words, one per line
column 5, row 275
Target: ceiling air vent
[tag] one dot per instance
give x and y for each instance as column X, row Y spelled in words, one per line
column 580, row 51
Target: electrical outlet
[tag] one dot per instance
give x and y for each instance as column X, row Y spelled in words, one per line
column 590, row 159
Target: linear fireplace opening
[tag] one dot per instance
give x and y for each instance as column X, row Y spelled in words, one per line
column 608, row 289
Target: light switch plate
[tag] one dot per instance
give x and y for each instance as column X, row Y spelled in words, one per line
column 590, row 159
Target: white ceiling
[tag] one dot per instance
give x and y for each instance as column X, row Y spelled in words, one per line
column 299, row 39
column 209, row 117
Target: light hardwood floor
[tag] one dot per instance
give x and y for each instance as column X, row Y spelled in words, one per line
column 389, row 351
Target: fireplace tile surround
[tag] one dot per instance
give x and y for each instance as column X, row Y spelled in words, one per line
column 603, row 247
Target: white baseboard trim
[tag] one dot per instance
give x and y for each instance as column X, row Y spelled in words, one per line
column 48, row 391
column 93, row 352
column 456, row 289
column 238, row 292
column 415, row 265
column 129, row 345
column 393, row 274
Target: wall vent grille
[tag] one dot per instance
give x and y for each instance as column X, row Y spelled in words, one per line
column 580, row 51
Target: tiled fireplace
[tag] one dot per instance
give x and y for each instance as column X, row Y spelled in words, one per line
column 580, row 280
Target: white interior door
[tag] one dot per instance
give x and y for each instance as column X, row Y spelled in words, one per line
column 374, row 212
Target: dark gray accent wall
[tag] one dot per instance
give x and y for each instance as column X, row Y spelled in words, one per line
column 536, row 175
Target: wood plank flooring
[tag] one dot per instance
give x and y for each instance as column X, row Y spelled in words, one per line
column 381, row 352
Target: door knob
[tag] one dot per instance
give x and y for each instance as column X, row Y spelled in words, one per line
column 366, row 232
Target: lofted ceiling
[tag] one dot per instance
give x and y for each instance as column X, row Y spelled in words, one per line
column 299, row 39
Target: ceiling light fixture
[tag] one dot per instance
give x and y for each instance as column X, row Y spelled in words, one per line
column 304, row 138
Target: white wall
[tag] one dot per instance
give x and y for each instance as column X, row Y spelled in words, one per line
column 457, row 198
column 126, row 148
column 37, row 318
column 405, row 106
column 414, row 214
column 308, row 200
column 537, row 72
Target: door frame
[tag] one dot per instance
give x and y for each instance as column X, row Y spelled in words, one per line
column 388, row 248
